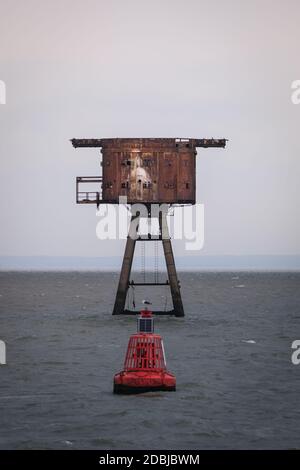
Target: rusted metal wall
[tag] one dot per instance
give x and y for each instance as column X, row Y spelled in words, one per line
column 148, row 170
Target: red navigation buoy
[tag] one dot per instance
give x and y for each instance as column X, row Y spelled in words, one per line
column 145, row 367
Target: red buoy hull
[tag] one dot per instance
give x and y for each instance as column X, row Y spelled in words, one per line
column 127, row 382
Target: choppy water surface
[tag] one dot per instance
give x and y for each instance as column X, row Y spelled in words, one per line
column 236, row 385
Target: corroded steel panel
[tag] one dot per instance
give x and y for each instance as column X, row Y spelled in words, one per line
column 149, row 170
column 186, row 181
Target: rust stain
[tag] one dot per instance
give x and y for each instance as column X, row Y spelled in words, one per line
column 149, row 170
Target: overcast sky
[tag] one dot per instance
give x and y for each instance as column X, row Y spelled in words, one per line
column 159, row 68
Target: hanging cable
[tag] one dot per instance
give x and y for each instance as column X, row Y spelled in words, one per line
column 166, row 302
column 127, row 299
column 133, row 297
column 143, row 262
column 156, row 261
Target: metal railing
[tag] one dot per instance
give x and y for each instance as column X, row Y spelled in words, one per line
column 89, row 197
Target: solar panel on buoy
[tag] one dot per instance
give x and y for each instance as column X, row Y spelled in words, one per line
column 145, row 366
column 145, row 323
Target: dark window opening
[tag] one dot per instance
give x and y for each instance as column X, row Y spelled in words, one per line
column 126, row 162
column 146, row 162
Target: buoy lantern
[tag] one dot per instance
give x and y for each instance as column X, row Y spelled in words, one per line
column 145, row 367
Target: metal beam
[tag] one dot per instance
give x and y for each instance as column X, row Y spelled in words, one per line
column 125, row 274
column 86, row 142
column 170, row 262
column 155, row 312
column 134, row 284
column 205, row 143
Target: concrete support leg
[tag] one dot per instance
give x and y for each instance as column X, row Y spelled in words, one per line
column 119, row 307
column 170, row 262
column 125, row 272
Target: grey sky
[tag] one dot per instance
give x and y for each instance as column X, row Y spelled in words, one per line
column 150, row 68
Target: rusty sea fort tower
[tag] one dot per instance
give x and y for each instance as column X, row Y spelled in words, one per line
column 148, row 171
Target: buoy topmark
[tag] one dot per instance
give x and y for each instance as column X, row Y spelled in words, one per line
column 145, row 367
